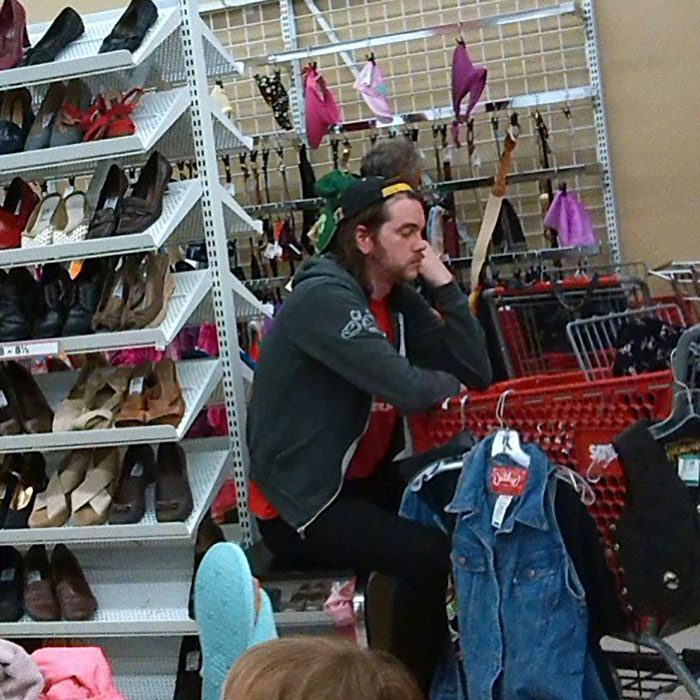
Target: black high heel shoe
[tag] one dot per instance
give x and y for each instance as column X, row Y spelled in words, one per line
column 131, row 27
column 66, row 28
column 16, row 119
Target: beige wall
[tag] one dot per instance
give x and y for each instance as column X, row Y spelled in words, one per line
column 651, row 68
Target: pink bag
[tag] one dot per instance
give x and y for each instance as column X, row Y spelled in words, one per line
column 322, row 112
column 370, row 84
column 569, row 218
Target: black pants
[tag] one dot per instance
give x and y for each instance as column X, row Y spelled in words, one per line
column 361, row 531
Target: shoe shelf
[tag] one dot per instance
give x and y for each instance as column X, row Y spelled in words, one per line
column 248, row 306
column 161, row 47
column 141, row 590
column 156, row 113
column 177, row 204
column 147, row 686
column 206, row 472
column 237, row 219
column 198, row 379
column 190, row 290
column 229, row 137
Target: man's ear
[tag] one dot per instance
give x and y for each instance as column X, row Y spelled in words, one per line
column 364, row 240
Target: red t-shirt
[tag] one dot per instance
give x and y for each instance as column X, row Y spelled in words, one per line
column 374, row 444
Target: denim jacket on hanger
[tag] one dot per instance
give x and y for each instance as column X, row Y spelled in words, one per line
column 521, row 607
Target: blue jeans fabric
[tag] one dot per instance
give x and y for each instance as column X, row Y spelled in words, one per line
column 522, row 609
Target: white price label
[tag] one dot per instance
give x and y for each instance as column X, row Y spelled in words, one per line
column 137, row 470
column 689, row 469
column 34, row 577
column 7, row 575
column 499, row 510
column 136, row 385
column 9, row 351
column 3, row 400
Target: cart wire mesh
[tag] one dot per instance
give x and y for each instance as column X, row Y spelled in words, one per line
column 529, row 324
column 684, row 278
column 594, row 339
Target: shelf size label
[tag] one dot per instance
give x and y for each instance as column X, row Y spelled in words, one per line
column 9, row 351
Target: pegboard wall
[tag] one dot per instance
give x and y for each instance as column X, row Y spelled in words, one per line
column 523, row 58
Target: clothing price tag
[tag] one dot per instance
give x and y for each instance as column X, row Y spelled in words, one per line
column 3, row 400
column 13, row 350
column 192, row 661
column 7, row 575
column 499, row 510
column 508, row 481
column 136, row 385
column 689, row 469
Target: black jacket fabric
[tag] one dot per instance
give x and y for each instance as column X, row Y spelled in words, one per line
column 658, row 532
column 323, row 362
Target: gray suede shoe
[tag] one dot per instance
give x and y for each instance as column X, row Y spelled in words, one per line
column 66, row 128
column 40, row 133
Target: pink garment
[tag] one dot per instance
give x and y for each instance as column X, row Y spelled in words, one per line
column 339, row 607
column 322, row 111
column 208, row 340
column 134, row 356
column 467, row 79
column 370, row 84
column 76, row 673
column 569, row 218
column 218, row 420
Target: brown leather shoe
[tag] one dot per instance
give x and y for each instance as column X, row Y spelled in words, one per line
column 150, row 288
column 129, row 502
column 145, row 204
column 33, row 409
column 72, row 589
column 173, row 494
column 114, row 295
column 40, row 601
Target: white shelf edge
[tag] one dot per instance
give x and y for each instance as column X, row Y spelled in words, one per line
column 187, row 194
column 176, row 102
column 237, row 67
column 196, row 390
column 223, row 126
column 134, row 627
column 154, row 531
column 242, row 221
column 247, row 304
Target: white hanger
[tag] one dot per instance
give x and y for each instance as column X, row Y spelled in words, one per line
column 507, row 441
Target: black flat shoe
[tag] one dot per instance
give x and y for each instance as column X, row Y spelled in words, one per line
column 87, row 288
column 66, row 28
column 131, row 27
column 56, row 288
column 11, row 584
column 14, row 325
column 109, row 204
column 16, row 120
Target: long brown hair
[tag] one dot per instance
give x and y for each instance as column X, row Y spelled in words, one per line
column 318, row 668
column 344, row 245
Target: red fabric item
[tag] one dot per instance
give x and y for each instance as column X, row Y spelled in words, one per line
column 374, row 444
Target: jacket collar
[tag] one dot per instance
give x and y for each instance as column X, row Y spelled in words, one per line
column 529, row 509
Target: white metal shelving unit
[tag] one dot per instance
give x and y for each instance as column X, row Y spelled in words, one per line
column 142, row 586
